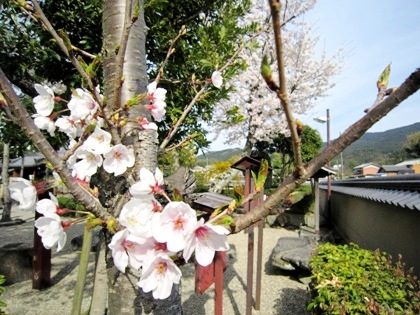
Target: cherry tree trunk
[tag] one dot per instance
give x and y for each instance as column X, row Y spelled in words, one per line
column 124, row 296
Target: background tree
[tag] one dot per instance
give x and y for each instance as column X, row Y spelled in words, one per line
column 252, row 109
column 281, row 151
column 412, row 145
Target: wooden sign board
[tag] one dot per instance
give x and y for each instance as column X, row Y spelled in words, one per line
column 205, row 276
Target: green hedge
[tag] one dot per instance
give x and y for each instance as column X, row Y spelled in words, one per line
column 349, row 280
column 2, row 304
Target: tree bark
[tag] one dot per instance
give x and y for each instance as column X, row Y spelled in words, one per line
column 7, row 201
column 125, row 65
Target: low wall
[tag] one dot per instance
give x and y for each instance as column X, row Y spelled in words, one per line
column 373, row 217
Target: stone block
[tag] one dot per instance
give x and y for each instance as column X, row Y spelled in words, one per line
column 16, row 262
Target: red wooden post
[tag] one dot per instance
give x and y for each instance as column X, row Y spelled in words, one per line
column 248, row 164
column 219, row 264
column 250, row 258
column 41, row 277
column 260, row 225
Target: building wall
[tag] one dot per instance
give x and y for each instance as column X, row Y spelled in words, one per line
column 370, row 170
column 374, row 225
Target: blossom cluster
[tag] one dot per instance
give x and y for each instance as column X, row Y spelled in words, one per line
column 152, row 235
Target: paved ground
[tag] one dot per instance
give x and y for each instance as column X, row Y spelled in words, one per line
column 281, row 293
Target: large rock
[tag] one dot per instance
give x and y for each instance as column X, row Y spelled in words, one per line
column 16, row 262
column 291, row 253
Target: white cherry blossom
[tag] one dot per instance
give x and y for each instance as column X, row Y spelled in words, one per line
column 217, row 79
column 118, row 159
column 44, row 123
column 156, row 97
column 23, row 192
column 205, row 240
column 51, row 230
column 158, row 275
column 148, row 185
column 44, row 102
column 82, row 104
column 127, row 249
column 136, row 216
column 46, row 207
column 67, row 125
column 98, row 142
column 88, row 163
column 175, row 222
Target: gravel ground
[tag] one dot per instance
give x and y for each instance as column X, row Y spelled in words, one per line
column 281, row 292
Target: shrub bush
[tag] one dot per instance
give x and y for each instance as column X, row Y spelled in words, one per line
column 2, row 304
column 66, row 202
column 349, row 280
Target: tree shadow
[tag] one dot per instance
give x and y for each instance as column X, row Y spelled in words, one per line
column 68, row 268
column 292, row 301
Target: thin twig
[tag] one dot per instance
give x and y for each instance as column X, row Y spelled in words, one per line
column 181, row 119
column 171, row 50
column 47, row 25
column 188, row 108
column 180, row 144
column 275, row 7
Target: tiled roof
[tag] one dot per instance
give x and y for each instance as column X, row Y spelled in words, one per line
column 399, row 198
column 401, row 191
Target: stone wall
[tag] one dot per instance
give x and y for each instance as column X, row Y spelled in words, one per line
column 372, row 225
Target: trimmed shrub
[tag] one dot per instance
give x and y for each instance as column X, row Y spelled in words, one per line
column 2, row 304
column 349, row 280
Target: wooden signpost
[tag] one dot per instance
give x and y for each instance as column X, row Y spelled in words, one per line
column 206, row 276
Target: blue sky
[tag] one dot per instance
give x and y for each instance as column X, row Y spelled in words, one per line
column 373, row 34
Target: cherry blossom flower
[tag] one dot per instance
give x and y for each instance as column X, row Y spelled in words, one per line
column 217, row 79
column 158, row 275
column 136, row 217
column 149, row 184
column 52, row 231
column 23, row 192
column 98, row 142
column 157, row 109
column 67, row 125
column 205, row 240
column 44, row 123
column 175, row 221
column 82, row 104
column 147, row 125
column 47, row 207
column 44, row 102
column 118, row 159
column 88, row 164
column 155, row 94
column 157, row 105
column 127, row 248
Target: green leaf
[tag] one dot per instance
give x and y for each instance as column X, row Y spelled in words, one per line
column 222, row 32
column 383, row 79
column 262, row 175
column 225, row 220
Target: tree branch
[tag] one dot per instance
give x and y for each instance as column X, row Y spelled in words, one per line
column 169, row 53
column 410, row 86
column 32, row 131
column 275, row 7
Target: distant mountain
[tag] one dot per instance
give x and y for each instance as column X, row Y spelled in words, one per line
column 379, row 147
column 223, row 155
